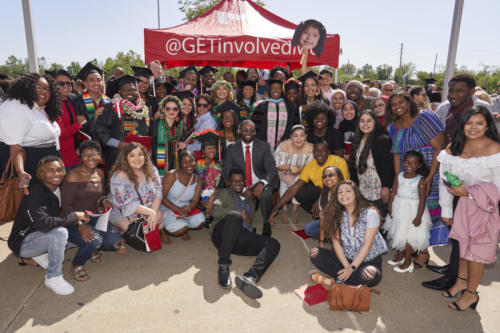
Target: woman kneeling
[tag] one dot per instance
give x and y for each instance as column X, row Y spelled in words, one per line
column 358, row 246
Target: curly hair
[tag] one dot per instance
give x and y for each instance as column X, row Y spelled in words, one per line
column 218, row 84
column 334, row 210
column 318, row 50
column 459, row 138
column 315, row 109
column 356, row 142
column 279, row 69
column 42, row 165
column 23, row 90
column 463, row 77
column 89, row 144
column 412, row 106
column 122, row 164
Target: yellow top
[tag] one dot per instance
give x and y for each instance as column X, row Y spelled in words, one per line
column 313, row 173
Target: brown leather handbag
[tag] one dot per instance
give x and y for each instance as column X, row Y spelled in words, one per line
column 10, row 193
column 344, row 297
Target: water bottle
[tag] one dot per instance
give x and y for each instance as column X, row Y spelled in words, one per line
column 452, row 179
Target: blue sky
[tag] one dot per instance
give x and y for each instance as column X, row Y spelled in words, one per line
column 370, row 31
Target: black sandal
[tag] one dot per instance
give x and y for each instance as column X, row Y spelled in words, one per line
column 449, row 295
column 472, row 306
column 21, row 262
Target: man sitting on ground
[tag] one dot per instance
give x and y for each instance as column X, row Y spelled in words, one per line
column 233, row 211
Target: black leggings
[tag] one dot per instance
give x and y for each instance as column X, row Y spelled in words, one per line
column 327, row 262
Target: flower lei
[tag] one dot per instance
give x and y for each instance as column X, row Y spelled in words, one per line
column 132, row 109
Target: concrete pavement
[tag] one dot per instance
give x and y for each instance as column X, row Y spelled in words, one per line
column 175, row 290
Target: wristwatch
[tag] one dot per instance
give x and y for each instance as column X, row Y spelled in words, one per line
column 79, row 223
column 354, row 268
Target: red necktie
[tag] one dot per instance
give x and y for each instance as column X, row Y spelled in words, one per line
column 248, row 167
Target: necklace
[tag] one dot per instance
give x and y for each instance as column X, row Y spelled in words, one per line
column 139, row 110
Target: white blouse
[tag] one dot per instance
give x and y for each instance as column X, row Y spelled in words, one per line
column 27, row 127
column 474, row 170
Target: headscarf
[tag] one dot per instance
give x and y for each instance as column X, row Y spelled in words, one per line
column 349, row 125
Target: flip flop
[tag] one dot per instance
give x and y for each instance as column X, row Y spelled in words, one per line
column 23, row 262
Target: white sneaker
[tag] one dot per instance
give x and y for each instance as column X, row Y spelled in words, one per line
column 58, row 285
column 42, row 260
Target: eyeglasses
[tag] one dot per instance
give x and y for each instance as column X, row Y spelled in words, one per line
column 91, row 155
column 329, row 175
column 379, row 105
column 202, row 105
column 248, row 130
column 64, row 83
column 47, row 89
column 171, row 109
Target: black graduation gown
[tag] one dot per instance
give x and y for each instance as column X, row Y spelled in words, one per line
column 259, row 117
column 109, row 126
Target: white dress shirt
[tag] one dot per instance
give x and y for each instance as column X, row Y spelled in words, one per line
column 255, row 179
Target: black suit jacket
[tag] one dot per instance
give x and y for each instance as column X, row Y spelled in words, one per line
column 263, row 163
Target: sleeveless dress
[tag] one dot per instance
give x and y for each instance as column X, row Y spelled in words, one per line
column 418, row 137
column 171, row 221
column 399, row 227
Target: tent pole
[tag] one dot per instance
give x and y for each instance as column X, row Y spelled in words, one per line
column 30, row 40
column 158, row 10
column 452, row 50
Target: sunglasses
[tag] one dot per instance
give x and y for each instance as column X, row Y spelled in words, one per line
column 329, row 175
column 64, row 83
column 202, row 105
column 248, row 130
column 168, row 108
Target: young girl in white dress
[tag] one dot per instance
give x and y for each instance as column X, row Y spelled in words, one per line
column 408, row 223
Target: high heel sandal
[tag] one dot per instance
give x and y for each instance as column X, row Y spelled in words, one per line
column 422, row 259
column 472, row 306
column 449, row 295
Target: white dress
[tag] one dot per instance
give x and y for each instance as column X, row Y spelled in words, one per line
column 399, row 227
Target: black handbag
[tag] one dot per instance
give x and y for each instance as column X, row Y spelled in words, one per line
column 134, row 236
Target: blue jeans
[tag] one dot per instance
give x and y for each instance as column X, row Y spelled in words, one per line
column 102, row 240
column 53, row 242
column 312, row 228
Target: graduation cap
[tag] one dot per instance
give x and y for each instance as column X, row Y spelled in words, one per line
column 89, row 68
column 292, row 84
column 430, row 80
column 208, row 137
column 271, row 81
column 207, row 69
column 50, row 73
column 184, row 94
column 308, row 75
column 187, row 69
column 248, row 83
column 142, row 71
column 161, row 82
column 115, row 85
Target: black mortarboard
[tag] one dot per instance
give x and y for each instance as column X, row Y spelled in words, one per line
column 207, row 69
column 62, row 72
column 430, row 80
column 209, row 138
column 245, row 83
column 159, row 82
column 292, row 84
column 308, row 75
column 184, row 94
column 185, row 70
column 271, row 81
column 142, row 71
column 115, row 85
column 89, row 68
column 50, row 73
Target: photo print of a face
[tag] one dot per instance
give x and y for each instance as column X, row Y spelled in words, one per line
column 310, row 34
